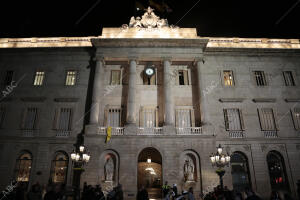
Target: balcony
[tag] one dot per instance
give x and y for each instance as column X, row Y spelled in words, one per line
column 29, row 132
column 236, row 134
column 63, row 133
column 270, row 134
column 114, row 131
column 150, row 131
column 189, row 131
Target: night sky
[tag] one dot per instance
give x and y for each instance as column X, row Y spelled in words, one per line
column 215, row 18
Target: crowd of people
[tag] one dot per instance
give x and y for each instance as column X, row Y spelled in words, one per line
column 59, row 192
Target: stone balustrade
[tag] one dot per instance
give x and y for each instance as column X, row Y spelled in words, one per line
column 150, row 131
column 114, row 131
column 270, row 134
column 63, row 133
column 29, row 132
column 189, row 131
column 236, row 134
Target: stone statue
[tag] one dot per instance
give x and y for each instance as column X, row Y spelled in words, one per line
column 189, row 170
column 109, row 169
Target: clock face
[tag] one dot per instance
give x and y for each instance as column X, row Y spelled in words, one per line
column 149, row 71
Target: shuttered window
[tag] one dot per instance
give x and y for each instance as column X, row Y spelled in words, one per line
column 147, row 80
column 267, row 119
column 115, row 77
column 39, row 78
column 233, row 119
column 183, row 118
column 288, row 78
column 63, row 119
column 114, row 117
column 149, row 117
column 30, row 117
column 71, row 77
column 260, row 78
column 296, row 118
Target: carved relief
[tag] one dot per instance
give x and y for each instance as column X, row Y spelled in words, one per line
column 263, row 147
column 247, row 147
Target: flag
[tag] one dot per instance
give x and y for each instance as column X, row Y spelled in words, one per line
column 108, row 134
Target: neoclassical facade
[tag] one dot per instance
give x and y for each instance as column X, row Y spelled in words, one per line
column 169, row 96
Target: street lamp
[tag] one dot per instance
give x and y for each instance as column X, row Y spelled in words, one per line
column 79, row 156
column 220, row 160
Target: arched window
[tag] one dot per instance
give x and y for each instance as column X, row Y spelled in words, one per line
column 59, row 167
column 240, row 171
column 23, row 167
column 277, row 172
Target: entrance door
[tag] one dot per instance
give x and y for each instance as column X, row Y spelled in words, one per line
column 150, row 172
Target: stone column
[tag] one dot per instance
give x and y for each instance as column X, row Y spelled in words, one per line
column 95, row 107
column 131, row 115
column 199, row 63
column 168, row 95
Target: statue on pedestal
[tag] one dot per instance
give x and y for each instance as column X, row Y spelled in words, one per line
column 189, row 169
column 109, row 170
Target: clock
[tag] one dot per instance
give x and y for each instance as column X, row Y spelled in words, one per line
column 149, row 71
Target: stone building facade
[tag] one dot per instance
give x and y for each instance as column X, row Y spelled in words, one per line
column 242, row 93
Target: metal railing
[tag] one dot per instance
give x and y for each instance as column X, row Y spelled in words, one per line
column 29, row 132
column 63, row 133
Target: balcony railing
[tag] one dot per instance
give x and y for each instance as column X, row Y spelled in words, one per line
column 29, row 132
column 270, row 134
column 150, row 131
column 189, row 131
column 63, row 133
column 114, row 131
column 236, row 134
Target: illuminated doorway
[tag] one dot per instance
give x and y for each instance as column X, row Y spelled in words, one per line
column 150, row 172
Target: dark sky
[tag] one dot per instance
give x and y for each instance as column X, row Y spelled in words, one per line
column 220, row 18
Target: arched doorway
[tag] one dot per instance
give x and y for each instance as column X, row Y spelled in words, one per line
column 240, row 171
column 150, row 171
column 23, row 168
column 277, row 171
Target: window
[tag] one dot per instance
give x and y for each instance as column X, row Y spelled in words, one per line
column 288, row 78
column 2, row 115
column 183, row 118
column 267, row 119
column 115, row 77
column 277, row 172
column 23, row 167
column 296, row 117
column 39, row 78
column 260, row 78
column 183, row 77
column 71, row 77
column 233, row 119
column 63, row 119
column 148, row 117
column 240, row 172
column 9, row 77
column 29, row 119
column 114, row 117
column 228, row 78
column 59, row 168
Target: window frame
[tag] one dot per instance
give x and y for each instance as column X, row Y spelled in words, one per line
column 111, row 76
column 264, row 79
column 289, row 72
column 75, row 79
column 223, row 78
column 35, row 76
column 226, row 120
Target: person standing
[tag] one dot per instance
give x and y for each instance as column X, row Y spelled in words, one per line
column 165, row 189
column 142, row 194
column 175, row 190
column 191, row 194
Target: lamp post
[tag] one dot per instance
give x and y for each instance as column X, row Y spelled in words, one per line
column 80, row 156
column 220, row 160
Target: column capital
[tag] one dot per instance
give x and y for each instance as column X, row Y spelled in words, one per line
column 163, row 59
column 199, row 59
